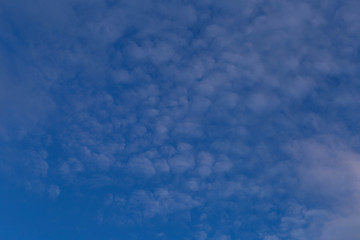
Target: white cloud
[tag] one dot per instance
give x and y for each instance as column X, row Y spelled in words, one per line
column 327, row 168
column 181, row 163
column 223, row 165
column 142, row 165
column 163, row 202
column 342, row 228
column 54, row 191
column 175, row 92
column 205, row 164
column 71, row 166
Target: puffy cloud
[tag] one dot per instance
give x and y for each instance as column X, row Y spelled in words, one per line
column 328, row 166
column 142, row 165
column 162, row 201
column 205, row 162
column 181, row 162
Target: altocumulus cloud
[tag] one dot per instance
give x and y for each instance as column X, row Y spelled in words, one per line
column 182, row 120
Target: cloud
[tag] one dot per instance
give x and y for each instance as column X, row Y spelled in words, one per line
column 54, row 191
column 162, row 201
column 327, row 171
column 328, row 166
column 71, row 168
column 205, row 162
column 39, row 165
column 341, row 228
column 237, row 117
column 142, row 165
column 182, row 162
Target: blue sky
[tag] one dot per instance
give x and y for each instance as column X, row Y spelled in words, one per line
column 191, row 120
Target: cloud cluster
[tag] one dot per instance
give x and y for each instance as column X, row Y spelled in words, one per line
column 241, row 115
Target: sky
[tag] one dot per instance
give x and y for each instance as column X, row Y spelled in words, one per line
column 180, row 120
